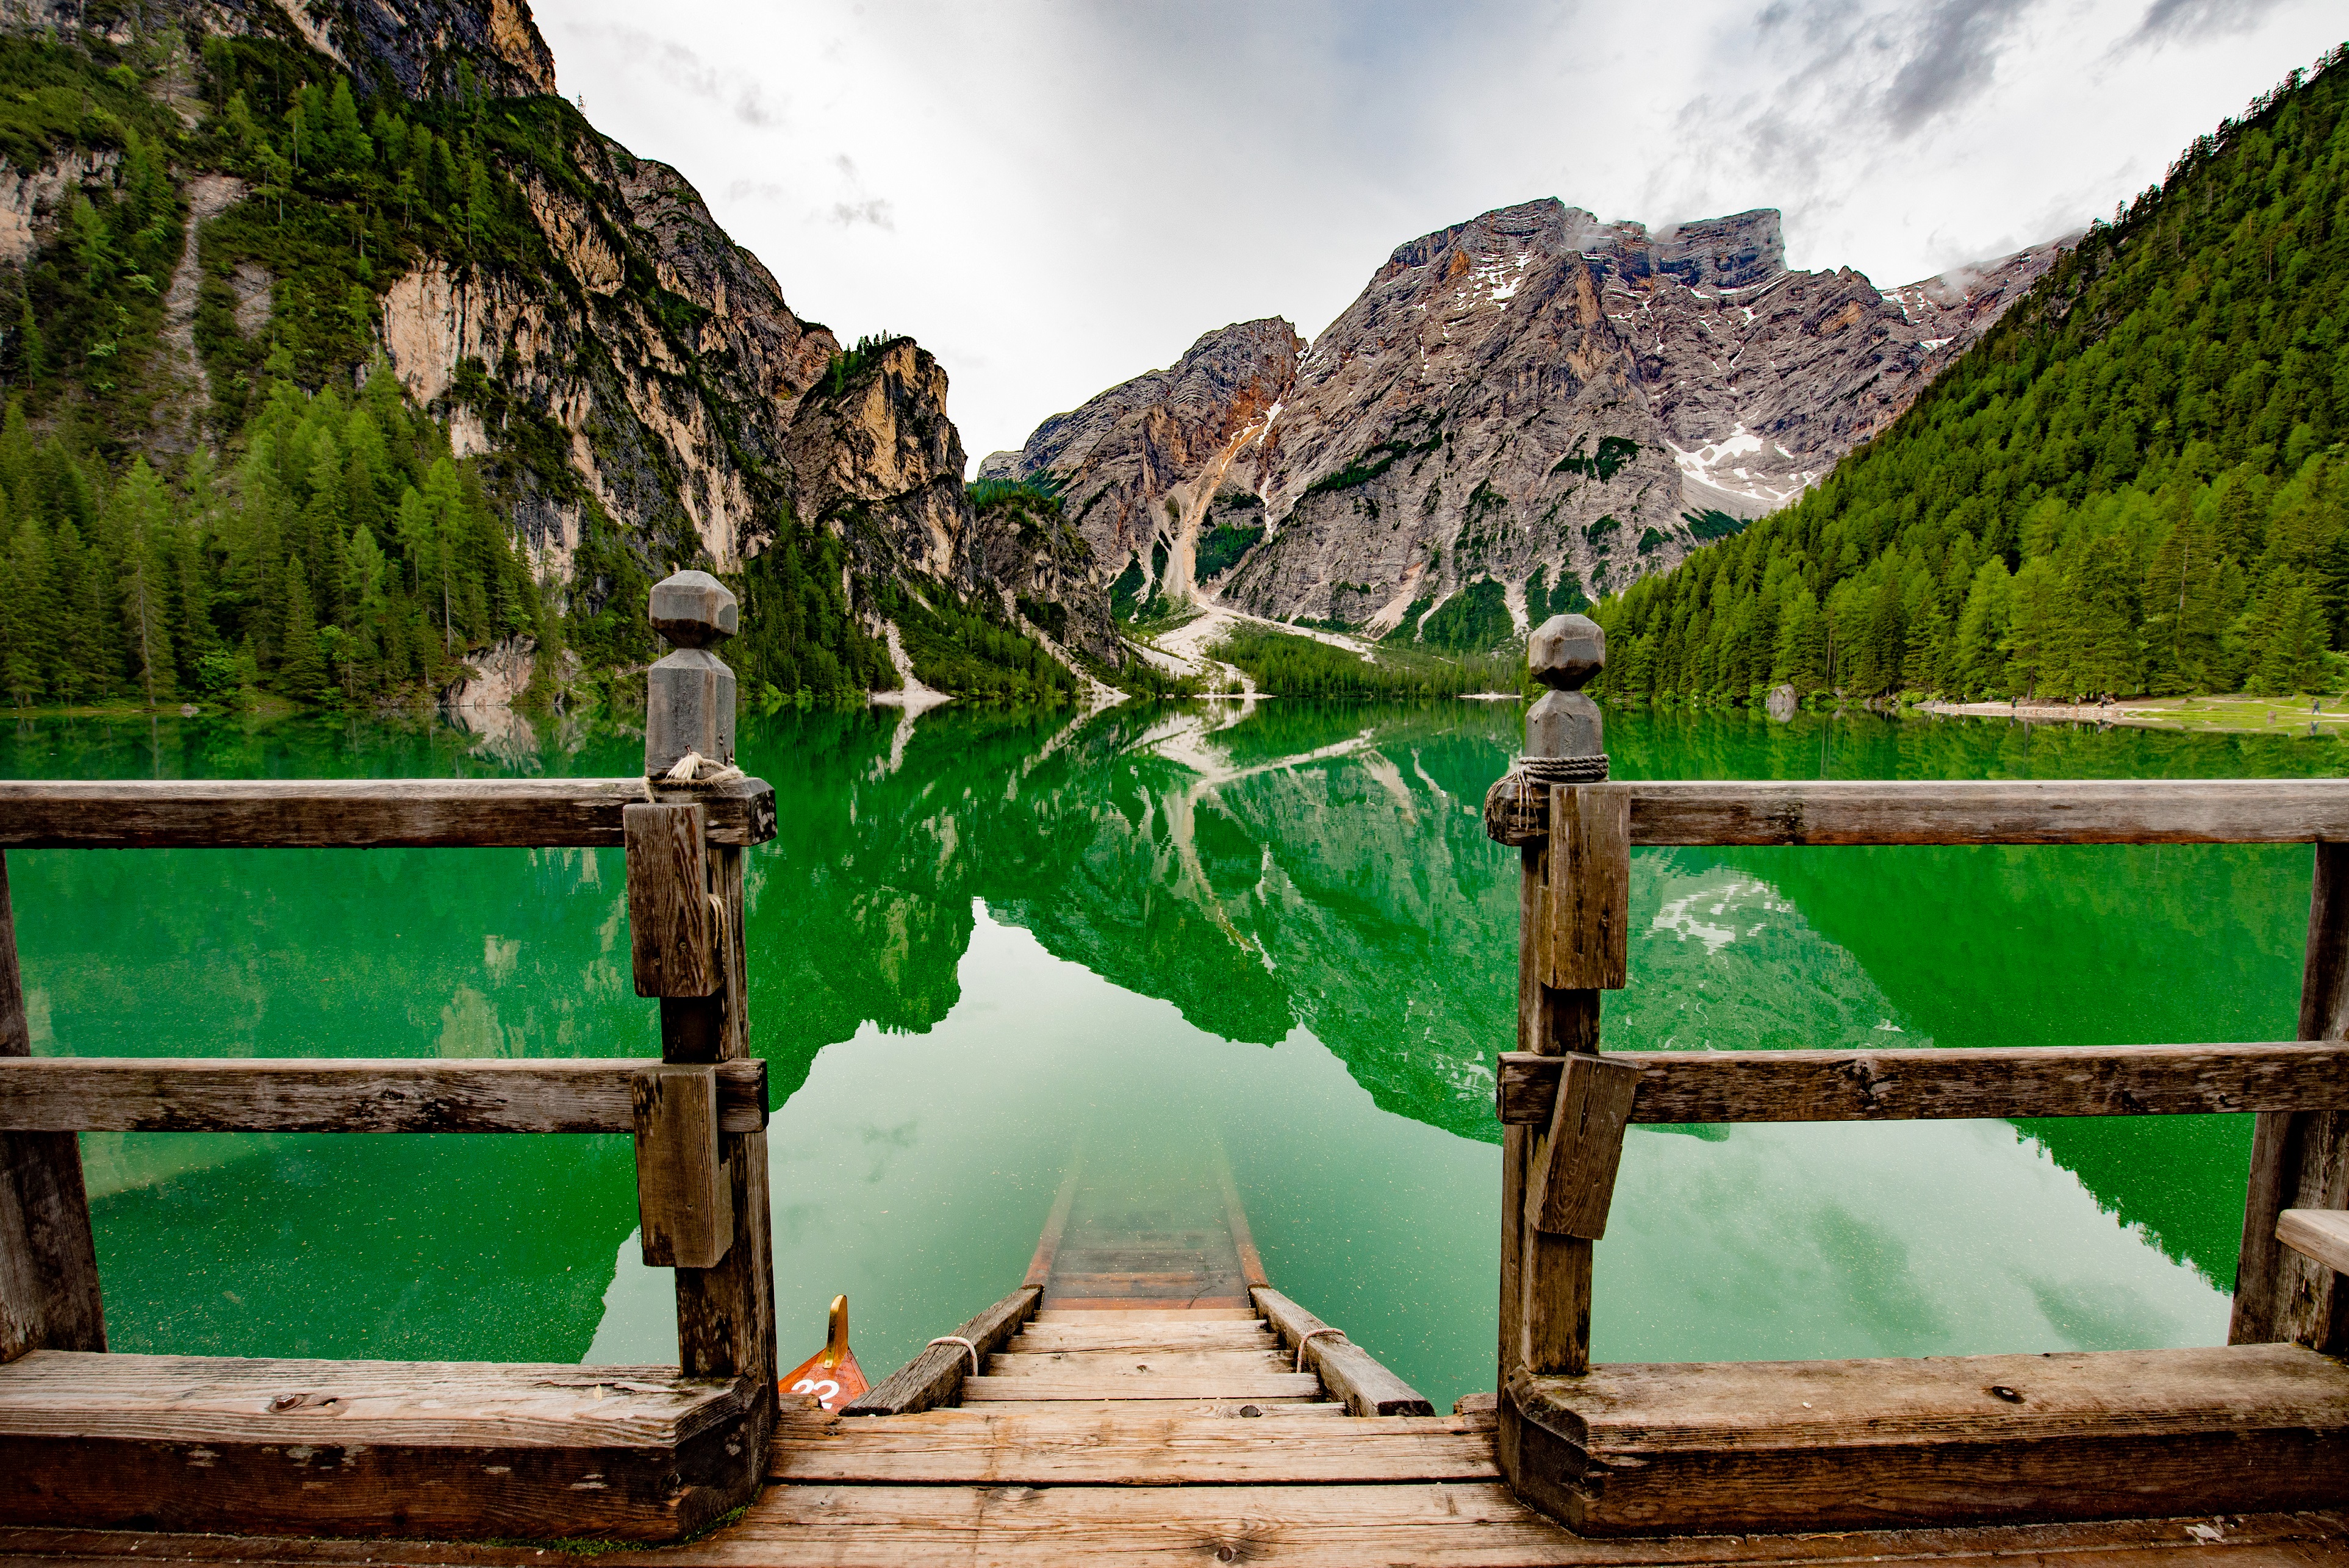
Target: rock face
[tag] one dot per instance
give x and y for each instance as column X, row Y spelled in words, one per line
column 647, row 376
column 1536, row 397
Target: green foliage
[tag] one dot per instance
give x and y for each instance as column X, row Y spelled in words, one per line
column 967, row 648
column 1709, row 525
column 1614, row 452
column 1221, row 548
column 344, row 558
column 1125, row 593
column 850, row 363
column 1288, row 665
column 799, row 632
column 1043, row 491
column 1475, row 620
column 2134, row 483
column 1543, row 601
column 1378, row 460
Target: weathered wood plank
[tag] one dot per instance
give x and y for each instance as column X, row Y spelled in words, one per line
column 685, row 1210
column 1587, row 909
column 1811, row 1444
column 1201, row 1409
column 1107, row 1385
column 1995, row 811
column 726, row 1314
column 1558, row 1277
column 672, row 930
column 1866, row 1086
column 1048, row 1338
column 1236, row 1218
column 1123, row 1317
column 2300, row 1154
column 1116, row 1447
column 939, row 1373
column 2306, row 1540
column 49, row 1293
column 245, row 1094
column 2321, row 1235
column 353, row 813
column 1011, row 1362
column 1352, row 1373
column 382, row 1448
column 1577, row 1183
column 1048, row 1242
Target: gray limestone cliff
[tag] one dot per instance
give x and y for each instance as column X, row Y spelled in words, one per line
column 1535, row 398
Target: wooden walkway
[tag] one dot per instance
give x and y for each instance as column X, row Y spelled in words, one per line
column 1153, row 1411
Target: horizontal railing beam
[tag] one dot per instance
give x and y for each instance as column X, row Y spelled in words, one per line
column 354, row 813
column 1892, row 1086
column 1996, row 811
column 239, row 1094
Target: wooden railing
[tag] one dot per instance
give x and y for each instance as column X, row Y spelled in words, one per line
column 656, row 1451
column 1565, row 1105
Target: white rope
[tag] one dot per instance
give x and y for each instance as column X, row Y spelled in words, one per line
column 688, row 770
column 1310, row 1337
column 966, row 1345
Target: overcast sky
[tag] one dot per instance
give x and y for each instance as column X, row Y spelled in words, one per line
column 1055, row 195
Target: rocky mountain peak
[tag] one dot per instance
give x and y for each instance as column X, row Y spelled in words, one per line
column 1534, row 403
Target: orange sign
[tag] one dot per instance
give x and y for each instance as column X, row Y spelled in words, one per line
column 831, row 1377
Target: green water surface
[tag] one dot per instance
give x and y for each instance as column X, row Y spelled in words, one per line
column 984, row 942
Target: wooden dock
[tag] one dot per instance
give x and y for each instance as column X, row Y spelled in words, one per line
column 1145, row 1394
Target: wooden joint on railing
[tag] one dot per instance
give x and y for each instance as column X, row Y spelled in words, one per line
column 1571, row 1192
column 1586, row 906
column 685, row 1210
column 1905, row 1085
column 672, row 930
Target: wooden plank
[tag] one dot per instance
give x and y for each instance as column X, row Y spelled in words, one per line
column 2305, row 1540
column 49, row 1291
column 1811, row 1444
column 353, row 813
column 1576, row 1184
column 1048, row 1244
column 1154, row 1299
column 1558, row 1277
column 1093, row 1447
column 244, row 1094
column 1352, row 1373
column 1123, row 1316
column 1160, row 1335
column 2321, row 1235
column 1236, row 1218
column 1996, row 811
column 672, row 933
column 382, row 1448
column 2299, row 1153
column 939, row 1373
column 1109, row 1384
column 1202, row 1409
column 1445, row 1523
column 1015, row 1362
column 685, row 1211
column 726, row 1314
column 1585, row 931
column 1872, row 1085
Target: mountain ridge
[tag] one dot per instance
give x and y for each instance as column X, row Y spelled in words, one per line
column 1534, row 403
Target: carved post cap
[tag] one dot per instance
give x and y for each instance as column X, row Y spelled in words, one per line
column 1566, row 651
column 689, row 694
column 693, row 610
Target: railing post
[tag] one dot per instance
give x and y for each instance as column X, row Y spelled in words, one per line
column 1557, row 1182
column 49, row 1297
column 2300, row 1159
column 692, row 893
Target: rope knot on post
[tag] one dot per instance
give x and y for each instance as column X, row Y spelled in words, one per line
column 689, row 694
column 1564, row 739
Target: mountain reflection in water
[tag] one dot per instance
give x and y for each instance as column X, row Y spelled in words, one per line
column 981, row 938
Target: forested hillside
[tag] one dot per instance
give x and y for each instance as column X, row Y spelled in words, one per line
column 322, row 375
column 2135, row 483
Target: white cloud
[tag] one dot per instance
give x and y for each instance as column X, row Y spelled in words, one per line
column 1055, row 195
